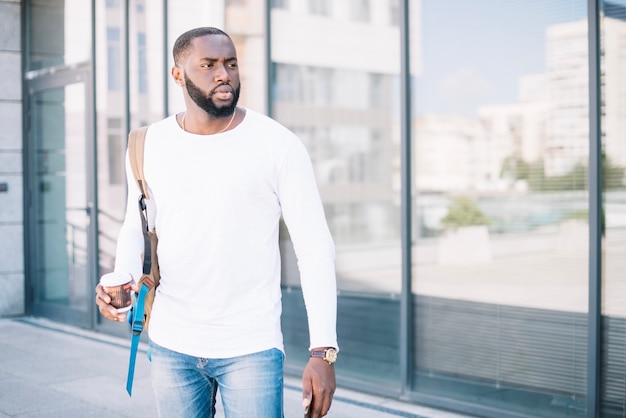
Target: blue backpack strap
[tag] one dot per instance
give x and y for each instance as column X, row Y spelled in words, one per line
column 137, row 327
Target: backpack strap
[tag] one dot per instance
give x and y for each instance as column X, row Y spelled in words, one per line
column 136, row 143
column 137, row 327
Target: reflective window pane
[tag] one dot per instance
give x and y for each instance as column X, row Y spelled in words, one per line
column 59, row 33
column 62, row 210
column 338, row 90
column 500, row 142
column 613, row 95
column 146, row 62
column 112, row 127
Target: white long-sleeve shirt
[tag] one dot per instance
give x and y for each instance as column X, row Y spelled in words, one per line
column 216, row 202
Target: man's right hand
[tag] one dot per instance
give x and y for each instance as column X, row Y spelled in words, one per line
column 103, row 300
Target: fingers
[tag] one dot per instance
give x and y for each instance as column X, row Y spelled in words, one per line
column 320, row 404
column 103, row 300
column 307, row 395
column 102, row 294
column 318, row 387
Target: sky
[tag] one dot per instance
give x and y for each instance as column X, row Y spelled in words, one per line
column 474, row 51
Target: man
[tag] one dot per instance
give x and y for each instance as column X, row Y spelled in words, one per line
column 220, row 177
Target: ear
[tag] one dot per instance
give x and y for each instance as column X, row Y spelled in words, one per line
column 177, row 74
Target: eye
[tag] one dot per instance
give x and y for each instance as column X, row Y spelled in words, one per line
column 206, row 65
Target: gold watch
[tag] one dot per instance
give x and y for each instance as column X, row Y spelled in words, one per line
column 329, row 355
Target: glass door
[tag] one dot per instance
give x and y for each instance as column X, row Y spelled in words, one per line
column 61, row 231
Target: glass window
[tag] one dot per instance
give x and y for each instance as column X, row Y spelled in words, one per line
column 146, row 62
column 613, row 94
column 59, row 33
column 142, row 64
column 360, row 10
column 394, row 12
column 111, row 127
column 320, row 7
column 500, row 141
column 114, row 59
column 344, row 107
column 280, row 4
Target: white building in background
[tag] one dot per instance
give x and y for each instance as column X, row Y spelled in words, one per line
column 450, row 153
column 548, row 123
column 458, row 153
column 613, row 96
column 567, row 70
column 520, row 127
column 516, row 130
column 568, row 86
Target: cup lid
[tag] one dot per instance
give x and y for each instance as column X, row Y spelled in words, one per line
column 115, row 279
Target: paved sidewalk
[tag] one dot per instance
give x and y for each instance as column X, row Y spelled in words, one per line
column 52, row 370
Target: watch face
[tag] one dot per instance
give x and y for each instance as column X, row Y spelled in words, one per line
column 331, row 355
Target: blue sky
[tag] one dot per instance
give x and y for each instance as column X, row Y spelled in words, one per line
column 474, row 51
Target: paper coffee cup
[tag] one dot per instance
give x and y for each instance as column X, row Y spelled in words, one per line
column 118, row 287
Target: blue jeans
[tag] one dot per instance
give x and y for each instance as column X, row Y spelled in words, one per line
column 251, row 386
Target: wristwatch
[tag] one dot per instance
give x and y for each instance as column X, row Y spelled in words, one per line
column 329, row 355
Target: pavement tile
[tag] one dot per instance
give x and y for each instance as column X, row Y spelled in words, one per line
column 19, row 396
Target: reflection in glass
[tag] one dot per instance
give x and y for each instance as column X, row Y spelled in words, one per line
column 111, row 124
column 59, row 33
column 62, row 212
column 500, row 140
column 344, row 107
column 613, row 94
column 146, row 60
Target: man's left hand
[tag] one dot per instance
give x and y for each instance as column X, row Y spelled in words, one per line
column 318, row 387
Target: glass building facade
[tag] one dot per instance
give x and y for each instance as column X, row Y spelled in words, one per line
column 471, row 158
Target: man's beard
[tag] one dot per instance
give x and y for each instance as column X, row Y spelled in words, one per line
column 205, row 101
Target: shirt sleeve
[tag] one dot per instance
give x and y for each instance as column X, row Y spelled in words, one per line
column 130, row 243
column 304, row 217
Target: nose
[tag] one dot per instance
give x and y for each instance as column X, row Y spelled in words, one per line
column 221, row 74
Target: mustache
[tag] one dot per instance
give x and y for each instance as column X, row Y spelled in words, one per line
column 213, row 91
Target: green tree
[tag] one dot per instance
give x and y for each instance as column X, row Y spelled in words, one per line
column 612, row 175
column 463, row 211
column 515, row 168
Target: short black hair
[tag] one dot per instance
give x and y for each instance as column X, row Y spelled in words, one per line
column 181, row 46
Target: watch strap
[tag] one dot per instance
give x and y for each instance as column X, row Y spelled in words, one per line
column 329, row 355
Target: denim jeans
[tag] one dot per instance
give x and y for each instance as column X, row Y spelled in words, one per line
column 251, row 386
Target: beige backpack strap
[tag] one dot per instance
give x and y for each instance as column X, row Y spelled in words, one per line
column 136, row 142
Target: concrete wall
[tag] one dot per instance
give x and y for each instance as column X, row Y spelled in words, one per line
column 12, row 279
